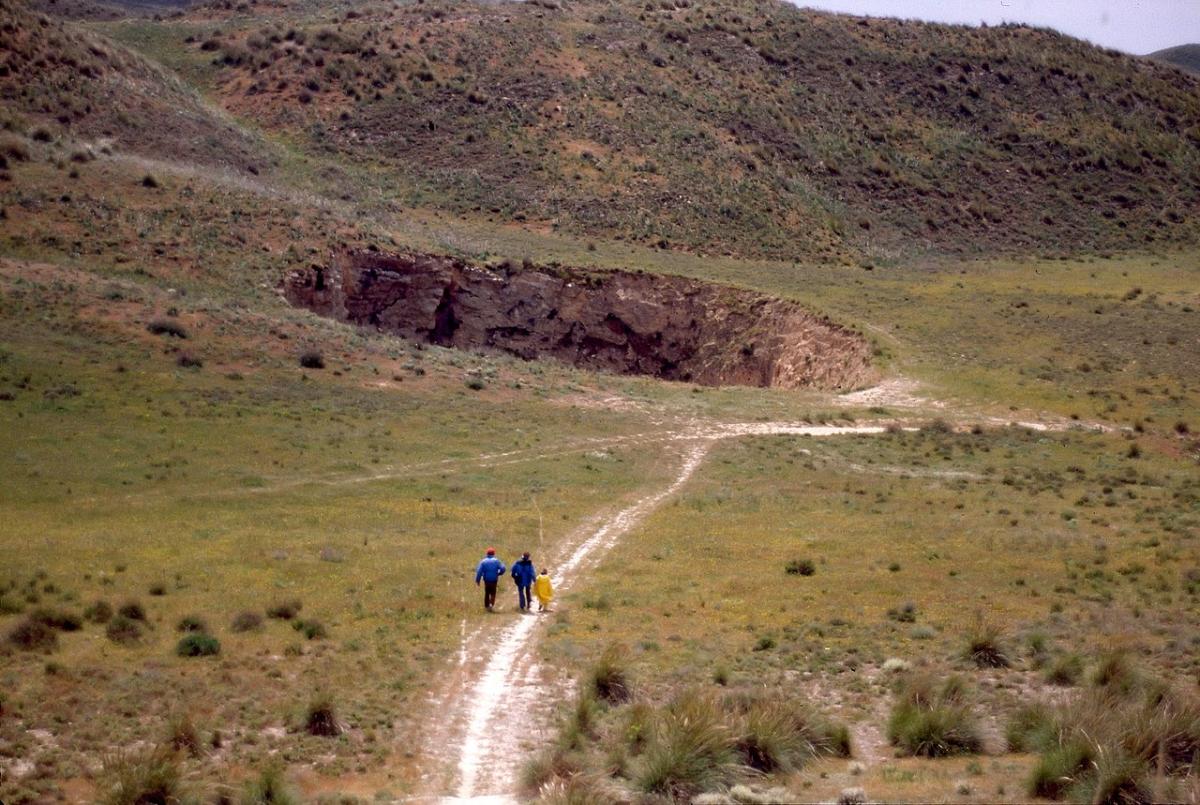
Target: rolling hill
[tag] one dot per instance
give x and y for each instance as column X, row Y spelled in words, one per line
column 749, row 128
column 1185, row 57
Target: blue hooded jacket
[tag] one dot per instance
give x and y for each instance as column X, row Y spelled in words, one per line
column 523, row 573
column 489, row 570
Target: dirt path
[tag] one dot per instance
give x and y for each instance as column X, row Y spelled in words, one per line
column 499, row 703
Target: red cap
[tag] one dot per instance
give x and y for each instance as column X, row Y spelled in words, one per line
column 491, row 551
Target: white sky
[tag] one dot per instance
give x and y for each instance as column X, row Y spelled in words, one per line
column 1134, row 26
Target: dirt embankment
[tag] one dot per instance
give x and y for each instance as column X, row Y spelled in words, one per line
column 617, row 321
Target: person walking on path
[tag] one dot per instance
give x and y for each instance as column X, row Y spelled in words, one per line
column 543, row 588
column 523, row 573
column 489, row 571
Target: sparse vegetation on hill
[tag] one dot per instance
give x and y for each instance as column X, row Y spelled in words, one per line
column 758, row 128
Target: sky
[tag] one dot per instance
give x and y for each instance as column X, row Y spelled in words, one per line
column 1134, row 26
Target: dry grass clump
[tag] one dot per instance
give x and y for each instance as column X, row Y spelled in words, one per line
column 985, row 647
column 246, row 622
column 32, row 634
column 285, row 610
column 609, row 678
column 320, row 717
column 269, row 788
column 932, row 719
column 1124, row 739
column 150, row 776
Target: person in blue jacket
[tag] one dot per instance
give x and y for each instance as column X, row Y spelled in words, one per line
column 523, row 574
column 490, row 570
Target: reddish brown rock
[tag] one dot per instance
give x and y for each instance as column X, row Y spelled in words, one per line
column 618, row 321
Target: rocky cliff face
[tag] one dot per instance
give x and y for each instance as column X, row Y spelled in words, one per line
column 618, row 321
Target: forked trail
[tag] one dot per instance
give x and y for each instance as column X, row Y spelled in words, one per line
column 497, row 704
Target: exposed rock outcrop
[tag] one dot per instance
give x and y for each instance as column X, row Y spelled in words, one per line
column 618, row 321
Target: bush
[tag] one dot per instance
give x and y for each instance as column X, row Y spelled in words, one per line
column 320, row 718
column 285, row 610
column 769, row 741
column 152, row 776
column 99, row 612
column 9, row 605
column 691, row 750
column 904, row 614
column 198, row 644
column 32, row 634
column 800, row 567
column 609, row 678
column 186, row 360
column 133, row 610
column 311, row 629
column 985, row 647
column 932, row 721
column 269, row 788
column 192, row 623
column 57, row 619
column 167, row 327
column 247, row 622
column 149, row 181
column 312, row 359
column 123, row 629
column 157, row 589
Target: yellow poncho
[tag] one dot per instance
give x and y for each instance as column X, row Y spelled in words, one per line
column 543, row 588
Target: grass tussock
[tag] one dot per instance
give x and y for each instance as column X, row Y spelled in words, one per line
column 986, row 647
column 933, row 719
column 691, row 751
column 609, row 677
column 246, row 622
column 285, row 610
column 32, row 634
column 198, row 644
column 1123, row 739
column 151, row 776
column 320, row 717
column 269, row 788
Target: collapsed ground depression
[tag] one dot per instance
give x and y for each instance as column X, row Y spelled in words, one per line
column 617, row 321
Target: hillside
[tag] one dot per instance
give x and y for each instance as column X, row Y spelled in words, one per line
column 753, row 128
column 61, row 80
column 1185, row 57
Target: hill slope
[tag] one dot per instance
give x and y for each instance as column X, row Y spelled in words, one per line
column 755, row 128
column 1185, row 57
column 61, row 79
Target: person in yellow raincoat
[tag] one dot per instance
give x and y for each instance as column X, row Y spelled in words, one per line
column 543, row 588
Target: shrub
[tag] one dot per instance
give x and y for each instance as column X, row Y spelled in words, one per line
column 475, row 383
column 800, row 567
column 311, row 629
column 198, row 644
column 904, row 614
column 320, row 718
column 186, row 360
column 311, row 359
column 9, row 605
column 1065, row 670
column 157, row 589
column 123, row 629
column 285, row 610
column 691, row 750
column 246, row 622
column 133, row 610
column 32, row 634
column 99, row 612
column 269, row 788
column 192, row 623
column 985, row 647
column 167, row 327
column 152, row 776
column 933, row 721
column 57, row 619
column 609, row 678
column 149, row 181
